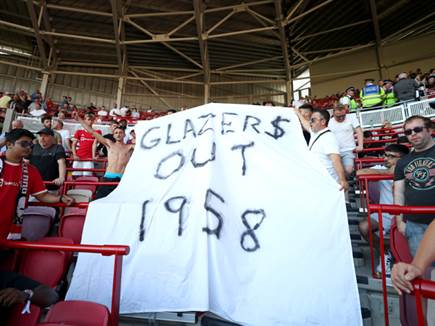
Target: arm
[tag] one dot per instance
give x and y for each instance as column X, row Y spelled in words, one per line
column 46, row 197
column 94, row 149
column 42, row 296
column 360, row 139
column 73, row 149
column 399, row 199
column 305, row 124
column 101, row 139
column 62, row 172
column 402, row 273
column 338, row 166
column 374, row 171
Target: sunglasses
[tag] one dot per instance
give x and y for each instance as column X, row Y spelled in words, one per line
column 408, row 132
column 25, row 144
column 313, row 120
column 391, row 156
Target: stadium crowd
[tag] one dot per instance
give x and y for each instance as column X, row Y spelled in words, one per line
column 37, row 167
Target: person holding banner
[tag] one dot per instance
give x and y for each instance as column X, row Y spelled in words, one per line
column 324, row 145
column 118, row 155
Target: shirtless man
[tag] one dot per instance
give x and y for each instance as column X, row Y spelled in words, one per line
column 118, row 155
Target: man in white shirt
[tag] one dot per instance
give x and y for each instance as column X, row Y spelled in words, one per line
column 344, row 126
column 64, row 134
column 102, row 113
column 38, row 110
column 115, row 112
column 324, row 145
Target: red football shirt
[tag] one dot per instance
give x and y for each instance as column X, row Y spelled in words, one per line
column 10, row 186
column 84, row 143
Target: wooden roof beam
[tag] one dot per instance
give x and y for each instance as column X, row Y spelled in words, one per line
column 39, row 41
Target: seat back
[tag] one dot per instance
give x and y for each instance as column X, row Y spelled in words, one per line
column 80, row 195
column 78, row 313
column 75, row 210
column 46, row 267
column 399, row 245
column 92, row 188
column 37, row 221
column 71, row 227
column 16, row 318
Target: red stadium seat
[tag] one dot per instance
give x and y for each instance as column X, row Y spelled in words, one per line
column 399, row 245
column 77, row 313
column 71, row 226
column 37, row 221
column 46, row 267
column 87, row 179
column 16, row 318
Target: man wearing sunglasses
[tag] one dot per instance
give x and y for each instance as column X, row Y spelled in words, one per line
column 18, row 180
column 414, row 179
column 393, row 153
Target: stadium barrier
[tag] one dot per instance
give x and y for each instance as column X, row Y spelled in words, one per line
column 393, row 210
column 104, row 250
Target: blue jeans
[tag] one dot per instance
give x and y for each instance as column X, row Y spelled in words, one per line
column 414, row 233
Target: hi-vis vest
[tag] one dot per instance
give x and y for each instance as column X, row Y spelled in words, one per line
column 371, row 95
column 390, row 99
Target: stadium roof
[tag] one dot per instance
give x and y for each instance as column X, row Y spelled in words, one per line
column 211, row 41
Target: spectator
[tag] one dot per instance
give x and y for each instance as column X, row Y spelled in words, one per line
column 349, row 99
column 118, row 155
column 414, row 179
column 16, row 124
column 393, row 153
column 115, row 112
column 4, row 100
column 367, row 144
column 132, row 139
column 430, row 86
column 13, row 191
column 84, row 147
column 38, row 110
column 371, row 95
column 388, row 130
column 61, row 115
column 406, row 88
column 390, row 98
column 64, row 134
column 344, row 126
column 101, row 148
column 304, row 113
column 171, row 111
column 123, row 111
column 135, row 114
column 324, row 145
column 49, row 158
column 102, row 113
column 18, row 289
column 47, row 123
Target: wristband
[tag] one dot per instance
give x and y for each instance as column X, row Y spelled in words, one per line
column 29, row 295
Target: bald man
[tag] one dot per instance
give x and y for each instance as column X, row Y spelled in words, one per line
column 16, row 124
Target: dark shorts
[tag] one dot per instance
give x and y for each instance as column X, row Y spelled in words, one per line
column 103, row 191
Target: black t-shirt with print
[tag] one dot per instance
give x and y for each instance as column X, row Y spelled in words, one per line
column 418, row 171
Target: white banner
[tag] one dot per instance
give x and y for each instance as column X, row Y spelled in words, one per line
column 225, row 210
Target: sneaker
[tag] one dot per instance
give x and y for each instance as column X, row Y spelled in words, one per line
column 388, row 264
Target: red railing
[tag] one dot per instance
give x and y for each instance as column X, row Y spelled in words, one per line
column 105, row 250
column 394, row 210
column 364, row 161
column 426, row 289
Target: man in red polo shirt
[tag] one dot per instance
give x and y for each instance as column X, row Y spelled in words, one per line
column 18, row 180
column 84, row 147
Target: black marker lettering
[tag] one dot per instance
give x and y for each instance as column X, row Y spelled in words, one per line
column 200, row 164
column 243, row 147
column 188, row 127
column 177, row 208
column 256, row 123
column 161, row 175
column 278, row 131
column 168, row 136
column 203, row 128
column 250, row 231
column 208, row 197
column 154, row 142
column 223, row 123
column 142, row 221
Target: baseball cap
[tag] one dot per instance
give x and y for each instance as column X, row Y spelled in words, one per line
column 46, row 131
